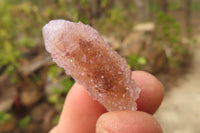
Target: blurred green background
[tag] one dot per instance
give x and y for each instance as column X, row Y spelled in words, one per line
column 155, row 36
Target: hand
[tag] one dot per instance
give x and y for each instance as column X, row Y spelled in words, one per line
column 81, row 114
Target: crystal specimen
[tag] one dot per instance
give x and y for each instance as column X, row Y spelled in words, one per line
column 84, row 55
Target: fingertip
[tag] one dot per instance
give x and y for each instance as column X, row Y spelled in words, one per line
column 152, row 91
column 127, row 122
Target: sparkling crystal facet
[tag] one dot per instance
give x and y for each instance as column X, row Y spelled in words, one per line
column 84, row 55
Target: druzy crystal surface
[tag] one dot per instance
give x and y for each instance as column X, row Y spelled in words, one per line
column 82, row 52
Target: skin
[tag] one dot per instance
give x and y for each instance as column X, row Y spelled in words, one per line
column 81, row 114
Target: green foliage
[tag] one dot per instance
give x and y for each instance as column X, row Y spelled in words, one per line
column 67, row 83
column 64, row 85
column 85, row 19
column 27, row 42
column 54, row 99
column 13, row 79
column 136, row 61
column 16, row 33
column 168, row 35
column 168, row 28
column 36, row 79
column 20, row 28
column 104, row 3
column 54, row 72
column 154, row 7
column 115, row 15
column 195, row 5
column 173, row 5
column 58, row 93
column 84, row 2
column 5, row 117
column 113, row 19
column 132, row 8
column 24, row 122
column 8, row 53
column 57, row 100
column 56, row 119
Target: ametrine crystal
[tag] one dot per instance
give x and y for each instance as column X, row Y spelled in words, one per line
column 84, row 55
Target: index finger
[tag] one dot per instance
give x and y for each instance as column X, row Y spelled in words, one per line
column 152, row 91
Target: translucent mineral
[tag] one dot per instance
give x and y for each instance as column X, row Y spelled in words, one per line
column 82, row 52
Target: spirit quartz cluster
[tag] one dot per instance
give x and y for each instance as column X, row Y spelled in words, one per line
column 82, row 52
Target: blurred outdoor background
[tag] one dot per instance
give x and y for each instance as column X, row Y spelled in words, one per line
column 158, row 36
